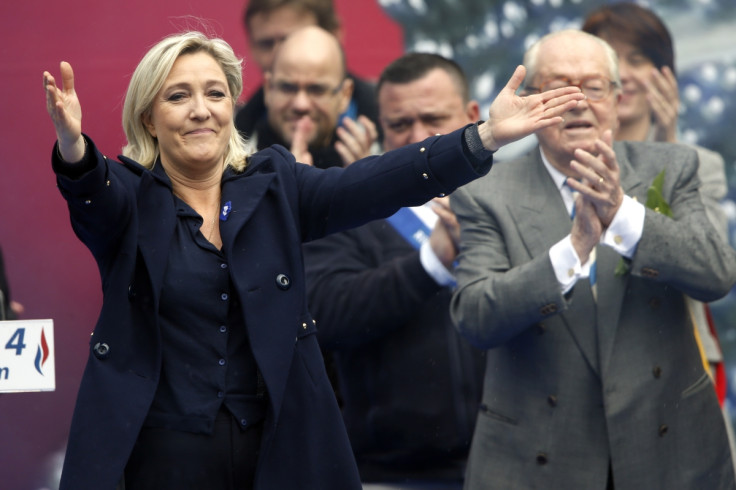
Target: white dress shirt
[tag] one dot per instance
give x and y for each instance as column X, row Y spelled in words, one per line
column 623, row 234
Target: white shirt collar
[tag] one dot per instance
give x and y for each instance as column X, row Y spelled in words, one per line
column 557, row 177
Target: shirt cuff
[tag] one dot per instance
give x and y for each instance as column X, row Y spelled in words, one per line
column 624, row 232
column 566, row 264
column 434, row 267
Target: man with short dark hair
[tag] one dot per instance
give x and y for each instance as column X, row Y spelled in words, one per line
column 409, row 384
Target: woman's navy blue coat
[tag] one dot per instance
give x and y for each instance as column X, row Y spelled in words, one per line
column 125, row 215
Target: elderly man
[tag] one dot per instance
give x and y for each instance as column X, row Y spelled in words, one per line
column 593, row 375
column 305, row 92
column 267, row 24
column 410, row 385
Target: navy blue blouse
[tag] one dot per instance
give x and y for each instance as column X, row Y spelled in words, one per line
column 207, row 360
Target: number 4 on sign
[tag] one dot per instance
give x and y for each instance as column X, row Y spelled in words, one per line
column 27, row 356
column 16, row 341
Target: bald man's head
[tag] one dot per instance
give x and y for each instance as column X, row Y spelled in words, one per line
column 308, row 79
column 312, row 45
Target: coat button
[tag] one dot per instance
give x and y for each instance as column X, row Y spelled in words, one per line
column 548, row 309
column 552, row 400
column 663, row 430
column 541, row 328
column 649, row 272
column 101, row 350
column 283, row 281
column 542, row 459
column 131, row 293
column 657, row 371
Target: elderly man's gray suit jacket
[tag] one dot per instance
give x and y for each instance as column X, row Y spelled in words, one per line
column 573, row 385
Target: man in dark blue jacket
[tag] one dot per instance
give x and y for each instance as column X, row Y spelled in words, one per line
column 408, row 383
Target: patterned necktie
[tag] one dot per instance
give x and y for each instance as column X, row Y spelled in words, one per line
column 591, row 258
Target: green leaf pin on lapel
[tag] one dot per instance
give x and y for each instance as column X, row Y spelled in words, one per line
column 655, row 202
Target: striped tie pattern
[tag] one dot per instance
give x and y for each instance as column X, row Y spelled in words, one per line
column 591, row 258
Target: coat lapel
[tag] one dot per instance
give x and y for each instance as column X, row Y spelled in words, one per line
column 269, row 340
column 610, row 286
column 157, row 217
column 243, row 192
column 539, row 231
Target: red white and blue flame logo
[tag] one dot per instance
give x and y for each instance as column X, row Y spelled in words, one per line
column 42, row 354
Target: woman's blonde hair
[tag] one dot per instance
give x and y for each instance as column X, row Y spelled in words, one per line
column 149, row 77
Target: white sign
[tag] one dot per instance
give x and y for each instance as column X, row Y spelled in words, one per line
column 27, row 356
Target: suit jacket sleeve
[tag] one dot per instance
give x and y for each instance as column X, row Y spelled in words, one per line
column 713, row 188
column 685, row 252
column 500, row 294
column 375, row 187
column 359, row 292
column 99, row 198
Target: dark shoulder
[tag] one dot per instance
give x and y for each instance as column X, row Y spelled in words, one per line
column 364, row 95
column 130, row 165
column 251, row 113
column 270, row 159
column 364, row 91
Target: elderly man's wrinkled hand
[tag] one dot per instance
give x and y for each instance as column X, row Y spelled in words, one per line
column 600, row 178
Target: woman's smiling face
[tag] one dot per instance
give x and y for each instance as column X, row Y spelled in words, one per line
column 192, row 114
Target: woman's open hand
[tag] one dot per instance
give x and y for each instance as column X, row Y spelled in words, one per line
column 65, row 111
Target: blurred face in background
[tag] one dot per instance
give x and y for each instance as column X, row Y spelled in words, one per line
column 267, row 30
column 635, row 70
column 308, row 81
column 411, row 112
